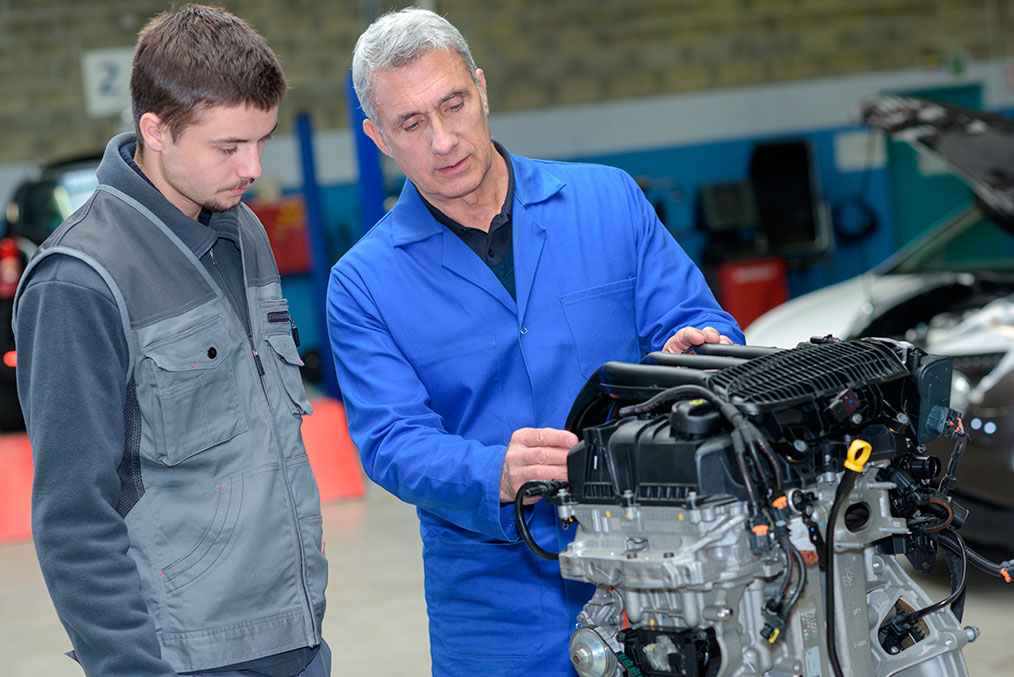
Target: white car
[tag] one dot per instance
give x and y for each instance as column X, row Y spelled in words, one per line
column 951, row 292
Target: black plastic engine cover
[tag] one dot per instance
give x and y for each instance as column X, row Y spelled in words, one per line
column 679, row 448
column 643, row 461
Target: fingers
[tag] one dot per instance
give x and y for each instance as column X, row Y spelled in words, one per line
column 688, row 337
column 684, row 339
column 534, row 454
column 513, row 477
column 530, row 448
column 544, row 437
column 675, row 344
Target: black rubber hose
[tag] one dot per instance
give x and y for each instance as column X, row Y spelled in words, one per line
column 954, row 566
column 990, row 567
column 844, row 489
column 950, row 478
column 528, row 490
column 739, row 448
column 769, row 453
column 793, row 562
column 952, row 541
column 667, row 395
column 801, row 583
column 726, row 409
column 789, row 563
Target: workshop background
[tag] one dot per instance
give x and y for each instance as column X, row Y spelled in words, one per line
column 678, row 92
column 689, row 96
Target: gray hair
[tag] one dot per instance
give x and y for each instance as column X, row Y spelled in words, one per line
column 397, row 39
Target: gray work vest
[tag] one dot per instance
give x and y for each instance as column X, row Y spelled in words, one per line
column 226, row 533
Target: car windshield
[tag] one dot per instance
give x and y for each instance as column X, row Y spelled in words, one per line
column 968, row 241
column 49, row 201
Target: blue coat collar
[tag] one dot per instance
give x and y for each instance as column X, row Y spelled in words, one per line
column 534, row 182
column 412, row 221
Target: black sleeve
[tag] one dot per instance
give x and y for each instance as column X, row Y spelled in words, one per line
column 72, row 364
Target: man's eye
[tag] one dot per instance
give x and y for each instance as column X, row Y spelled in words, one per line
column 229, row 150
column 411, row 126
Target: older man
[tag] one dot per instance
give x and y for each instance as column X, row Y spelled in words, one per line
column 465, row 322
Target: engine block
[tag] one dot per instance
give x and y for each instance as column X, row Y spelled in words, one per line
column 742, row 512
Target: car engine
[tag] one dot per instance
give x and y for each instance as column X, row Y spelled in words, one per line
column 742, row 510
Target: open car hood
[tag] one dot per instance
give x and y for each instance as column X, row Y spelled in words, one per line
column 840, row 309
column 979, row 146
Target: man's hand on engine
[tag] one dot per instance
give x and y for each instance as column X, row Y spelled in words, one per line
column 688, row 337
column 534, row 454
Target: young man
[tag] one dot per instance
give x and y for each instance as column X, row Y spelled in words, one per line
column 174, row 511
column 465, row 323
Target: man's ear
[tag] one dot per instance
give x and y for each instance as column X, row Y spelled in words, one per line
column 154, row 134
column 482, row 90
column 374, row 132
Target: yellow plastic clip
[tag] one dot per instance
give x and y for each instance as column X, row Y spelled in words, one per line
column 774, row 636
column 858, row 454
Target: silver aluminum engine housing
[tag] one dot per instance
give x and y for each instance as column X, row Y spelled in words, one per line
column 692, row 570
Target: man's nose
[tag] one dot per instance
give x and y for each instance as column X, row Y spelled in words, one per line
column 250, row 162
column 443, row 138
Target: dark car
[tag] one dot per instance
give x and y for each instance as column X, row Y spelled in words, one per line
column 39, row 204
column 951, row 292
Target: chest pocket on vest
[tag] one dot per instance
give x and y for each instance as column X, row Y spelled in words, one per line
column 195, row 376
column 278, row 333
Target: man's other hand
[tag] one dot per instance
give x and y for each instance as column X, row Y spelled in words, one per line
column 688, row 337
column 534, row 454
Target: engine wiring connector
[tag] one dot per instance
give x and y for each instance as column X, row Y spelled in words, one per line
column 945, row 422
column 780, row 514
column 760, row 534
column 1005, row 568
column 772, row 629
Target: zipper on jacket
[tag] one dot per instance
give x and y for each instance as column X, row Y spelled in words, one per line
column 300, row 545
column 256, row 355
column 278, row 316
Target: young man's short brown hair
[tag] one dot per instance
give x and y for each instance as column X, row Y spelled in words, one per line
column 194, row 57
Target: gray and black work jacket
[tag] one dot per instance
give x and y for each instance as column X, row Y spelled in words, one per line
column 223, row 512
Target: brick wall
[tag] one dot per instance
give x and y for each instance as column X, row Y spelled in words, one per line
column 536, row 53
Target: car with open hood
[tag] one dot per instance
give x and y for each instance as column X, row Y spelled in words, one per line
column 951, row 292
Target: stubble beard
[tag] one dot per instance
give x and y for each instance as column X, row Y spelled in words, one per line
column 216, row 206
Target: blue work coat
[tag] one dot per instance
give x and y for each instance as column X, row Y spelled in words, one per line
column 439, row 366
